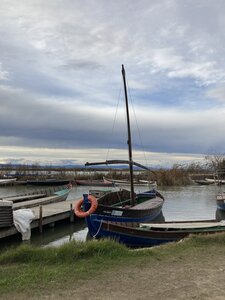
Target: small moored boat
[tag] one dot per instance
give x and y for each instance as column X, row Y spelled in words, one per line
column 203, row 182
column 48, row 182
column 147, row 235
column 38, row 197
column 127, row 182
column 7, row 181
column 94, row 183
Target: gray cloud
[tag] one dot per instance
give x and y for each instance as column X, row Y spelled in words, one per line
column 60, row 73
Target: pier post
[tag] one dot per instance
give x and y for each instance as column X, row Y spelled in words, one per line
column 40, row 219
column 71, row 213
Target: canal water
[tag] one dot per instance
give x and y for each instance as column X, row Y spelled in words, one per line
column 193, row 202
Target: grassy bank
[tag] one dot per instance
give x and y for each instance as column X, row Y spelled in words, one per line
column 33, row 272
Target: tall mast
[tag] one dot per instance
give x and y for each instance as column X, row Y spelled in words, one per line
column 129, row 139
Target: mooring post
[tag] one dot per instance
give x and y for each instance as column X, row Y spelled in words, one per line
column 40, row 219
column 71, row 213
column 86, row 202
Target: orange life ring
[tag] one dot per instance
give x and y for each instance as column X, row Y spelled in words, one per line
column 82, row 214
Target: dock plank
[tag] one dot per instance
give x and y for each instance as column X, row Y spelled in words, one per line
column 51, row 213
column 36, row 202
column 53, row 208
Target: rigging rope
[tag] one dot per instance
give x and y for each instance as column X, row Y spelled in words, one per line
column 139, row 133
column 114, row 121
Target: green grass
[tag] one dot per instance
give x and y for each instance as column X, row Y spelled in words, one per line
column 67, row 253
column 27, row 267
column 31, row 268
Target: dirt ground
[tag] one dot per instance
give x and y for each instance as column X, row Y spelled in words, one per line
column 186, row 277
column 172, row 280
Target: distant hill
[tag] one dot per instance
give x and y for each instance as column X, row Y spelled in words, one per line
column 69, row 166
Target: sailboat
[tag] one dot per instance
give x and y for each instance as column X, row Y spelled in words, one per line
column 121, row 206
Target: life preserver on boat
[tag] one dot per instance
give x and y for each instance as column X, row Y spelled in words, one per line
column 83, row 214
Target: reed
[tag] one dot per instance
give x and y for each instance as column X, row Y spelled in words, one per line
column 172, row 177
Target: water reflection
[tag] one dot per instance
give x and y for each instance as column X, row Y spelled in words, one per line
column 80, row 235
column 61, row 233
column 220, row 215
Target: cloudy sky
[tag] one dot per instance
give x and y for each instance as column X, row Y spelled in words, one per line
column 61, row 96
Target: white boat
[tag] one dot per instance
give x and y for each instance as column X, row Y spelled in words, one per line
column 127, row 182
column 38, row 197
column 7, row 181
column 216, row 181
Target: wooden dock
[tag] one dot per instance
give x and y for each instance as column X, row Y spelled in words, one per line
column 46, row 214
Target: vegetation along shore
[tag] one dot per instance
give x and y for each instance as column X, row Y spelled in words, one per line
column 177, row 175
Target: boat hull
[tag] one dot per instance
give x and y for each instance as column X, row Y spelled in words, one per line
column 9, row 181
column 127, row 183
column 47, row 182
column 216, row 181
column 94, row 183
column 57, row 196
column 203, row 182
column 123, row 215
column 138, row 237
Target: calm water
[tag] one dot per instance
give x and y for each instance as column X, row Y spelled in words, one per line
column 181, row 203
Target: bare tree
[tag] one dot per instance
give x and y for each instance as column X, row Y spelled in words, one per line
column 217, row 163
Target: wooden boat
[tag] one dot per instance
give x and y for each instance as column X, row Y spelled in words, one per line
column 11, row 203
column 48, row 182
column 117, row 207
column 94, row 183
column 38, row 197
column 203, row 182
column 127, row 182
column 122, row 205
column 58, row 196
column 215, row 181
column 7, row 181
column 99, row 193
column 147, row 235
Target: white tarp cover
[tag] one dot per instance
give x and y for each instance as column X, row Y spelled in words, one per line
column 22, row 219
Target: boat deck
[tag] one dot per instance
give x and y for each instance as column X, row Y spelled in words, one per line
column 149, row 204
column 184, row 225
